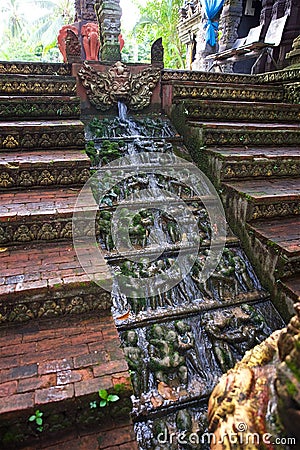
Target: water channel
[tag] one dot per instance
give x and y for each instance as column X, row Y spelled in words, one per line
column 179, row 341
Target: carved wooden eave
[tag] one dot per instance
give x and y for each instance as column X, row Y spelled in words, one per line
column 105, row 89
column 188, row 27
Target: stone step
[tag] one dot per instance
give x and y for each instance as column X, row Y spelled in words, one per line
column 58, row 366
column 279, row 242
column 227, row 91
column 228, row 164
column 38, row 215
column 43, row 168
column 45, row 107
column 258, row 199
column 99, row 437
column 35, row 135
column 291, row 287
column 46, row 281
column 242, row 111
column 33, row 85
column 248, row 134
column 35, row 68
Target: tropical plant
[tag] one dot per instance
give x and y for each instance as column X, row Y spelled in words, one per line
column 159, row 18
column 106, row 398
column 37, row 417
column 54, row 14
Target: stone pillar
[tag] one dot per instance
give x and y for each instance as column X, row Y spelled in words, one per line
column 294, row 56
column 229, row 22
column 109, row 18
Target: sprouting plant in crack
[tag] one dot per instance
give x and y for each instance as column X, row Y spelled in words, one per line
column 105, row 399
column 37, row 417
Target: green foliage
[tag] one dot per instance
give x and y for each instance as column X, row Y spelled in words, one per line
column 159, row 18
column 37, row 417
column 33, row 37
column 105, row 399
column 92, row 152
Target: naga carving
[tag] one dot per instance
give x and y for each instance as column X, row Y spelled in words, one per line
column 118, row 83
column 264, row 382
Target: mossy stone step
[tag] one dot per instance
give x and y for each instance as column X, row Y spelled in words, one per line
column 37, row 85
column 227, row 91
column 35, row 68
column 40, row 169
column 258, row 199
column 277, row 242
column 35, row 135
column 247, row 134
column 241, row 111
column 226, row 164
column 47, row 281
column 39, row 215
column 45, row 107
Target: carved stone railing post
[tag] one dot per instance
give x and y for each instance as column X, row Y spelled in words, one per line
column 109, row 18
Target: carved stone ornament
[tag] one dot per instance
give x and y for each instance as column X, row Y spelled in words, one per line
column 260, row 395
column 157, row 53
column 119, row 84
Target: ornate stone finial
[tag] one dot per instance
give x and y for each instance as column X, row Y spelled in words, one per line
column 118, row 83
column 294, row 54
column 90, row 41
column 260, row 397
column 109, row 18
column 157, row 53
column 61, row 39
column 73, row 48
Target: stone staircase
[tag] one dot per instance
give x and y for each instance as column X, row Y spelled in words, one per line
column 244, row 132
column 59, row 344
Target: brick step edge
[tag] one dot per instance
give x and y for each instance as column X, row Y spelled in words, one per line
column 62, row 389
column 58, row 300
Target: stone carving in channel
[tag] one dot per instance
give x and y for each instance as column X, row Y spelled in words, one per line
column 260, row 395
column 119, row 84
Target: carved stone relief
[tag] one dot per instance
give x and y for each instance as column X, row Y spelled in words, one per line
column 118, row 83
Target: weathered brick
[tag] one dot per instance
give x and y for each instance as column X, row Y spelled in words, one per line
column 54, row 394
column 90, row 386
column 110, row 368
column 68, row 376
column 9, row 388
column 55, row 366
column 16, row 402
column 9, row 361
column 118, row 436
column 30, row 384
column 90, row 359
column 18, row 349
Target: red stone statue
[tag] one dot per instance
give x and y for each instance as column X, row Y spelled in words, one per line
column 61, row 39
column 90, row 41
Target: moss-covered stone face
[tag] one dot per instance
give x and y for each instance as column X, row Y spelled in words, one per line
column 111, row 52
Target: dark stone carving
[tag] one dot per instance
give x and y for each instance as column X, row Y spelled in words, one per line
column 73, row 48
column 157, row 53
column 118, row 83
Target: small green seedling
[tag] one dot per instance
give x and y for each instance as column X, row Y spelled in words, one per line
column 37, row 418
column 106, row 398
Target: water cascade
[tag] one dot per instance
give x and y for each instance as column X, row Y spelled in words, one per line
column 177, row 341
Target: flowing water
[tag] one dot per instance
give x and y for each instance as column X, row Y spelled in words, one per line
column 179, row 341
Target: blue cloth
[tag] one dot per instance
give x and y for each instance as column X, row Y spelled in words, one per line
column 211, row 9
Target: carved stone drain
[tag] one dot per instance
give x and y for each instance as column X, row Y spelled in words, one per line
column 119, row 84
